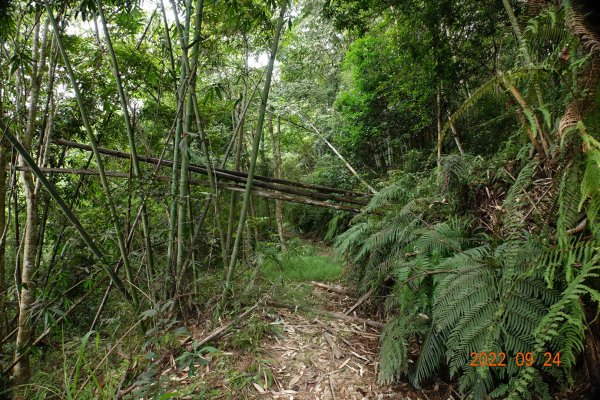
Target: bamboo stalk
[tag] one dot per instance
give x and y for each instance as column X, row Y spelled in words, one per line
column 130, row 135
column 340, row 156
column 253, row 158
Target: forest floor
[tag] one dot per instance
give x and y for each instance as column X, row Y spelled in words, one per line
column 298, row 352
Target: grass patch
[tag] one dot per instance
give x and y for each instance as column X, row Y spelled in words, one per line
column 301, row 263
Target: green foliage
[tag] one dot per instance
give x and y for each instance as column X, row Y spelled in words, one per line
column 458, row 291
column 301, row 264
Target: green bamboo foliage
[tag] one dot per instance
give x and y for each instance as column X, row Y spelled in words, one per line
column 130, row 137
column 98, row 157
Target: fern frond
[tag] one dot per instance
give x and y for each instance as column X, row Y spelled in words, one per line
column 394, row 349
column 561, row 319
column 432, row 355
column 590, row 183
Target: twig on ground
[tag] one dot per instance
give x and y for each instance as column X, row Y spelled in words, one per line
column 360, row 301
column 337, row 353
column 331, row 386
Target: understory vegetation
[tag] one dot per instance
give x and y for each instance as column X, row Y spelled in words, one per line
column 169, row 168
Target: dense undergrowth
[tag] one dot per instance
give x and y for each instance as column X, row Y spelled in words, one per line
column 483, row 254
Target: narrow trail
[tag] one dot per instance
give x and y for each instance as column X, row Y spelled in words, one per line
column 305, row 339
column 304, row 355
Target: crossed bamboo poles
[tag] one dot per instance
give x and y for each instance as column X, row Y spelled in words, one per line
column 268, row 187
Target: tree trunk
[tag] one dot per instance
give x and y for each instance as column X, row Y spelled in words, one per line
column 455, row 134
column 4, row 154
column 439, row 136
column 22, row 371
column 4, row 157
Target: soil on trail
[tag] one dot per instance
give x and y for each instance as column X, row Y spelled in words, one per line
column 317, row 357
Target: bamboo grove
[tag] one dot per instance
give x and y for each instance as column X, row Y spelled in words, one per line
column 154, row 153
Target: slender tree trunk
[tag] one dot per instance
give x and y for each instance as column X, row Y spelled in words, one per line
column 22, row 371
column 253, row 214
column 455, row 135
column 233, row 198
column 183, row 226
column 276, row 143
column 173, row 216
column 4, row 156
column 238, row 137
column 529, row 120
column 254, row 156
column 439, row 134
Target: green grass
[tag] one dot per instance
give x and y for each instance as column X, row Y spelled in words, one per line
column 301, row 264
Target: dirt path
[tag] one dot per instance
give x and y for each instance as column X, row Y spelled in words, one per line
column 303, row 355
column 315, row 357
column 321, row 358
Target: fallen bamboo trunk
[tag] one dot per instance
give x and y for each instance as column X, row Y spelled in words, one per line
column 295, row 199
column 270, row 194
column 217, row 171
column 263, row 182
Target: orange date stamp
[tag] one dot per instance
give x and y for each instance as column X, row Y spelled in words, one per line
column 521, row 359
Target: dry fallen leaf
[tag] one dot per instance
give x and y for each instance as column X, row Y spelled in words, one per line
column 294, row 380
column 259, row 388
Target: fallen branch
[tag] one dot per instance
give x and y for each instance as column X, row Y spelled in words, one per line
column 220, row 331
column 215, row 334
column 335, row 289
